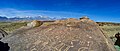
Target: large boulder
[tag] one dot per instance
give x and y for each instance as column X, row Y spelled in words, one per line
column 35, row 23
column 74, row 35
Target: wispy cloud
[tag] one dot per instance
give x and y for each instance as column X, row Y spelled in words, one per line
column 13, row 12
column 58, row 14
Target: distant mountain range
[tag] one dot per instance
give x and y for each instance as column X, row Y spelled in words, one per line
column 43, row 18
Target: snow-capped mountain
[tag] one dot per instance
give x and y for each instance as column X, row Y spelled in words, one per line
column 43, row 18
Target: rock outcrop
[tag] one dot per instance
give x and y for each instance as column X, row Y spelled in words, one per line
column 84, row 17
column 3, row 33
column 118, row 39
column 4, row 46
column 35, row 23
column 64, row 35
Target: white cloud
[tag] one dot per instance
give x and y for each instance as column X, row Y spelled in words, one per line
column 58, row 14
column 13, row 12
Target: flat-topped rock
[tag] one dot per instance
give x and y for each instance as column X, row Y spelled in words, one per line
column 81, row 36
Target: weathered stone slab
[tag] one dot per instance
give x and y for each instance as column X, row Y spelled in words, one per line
column 77, row 35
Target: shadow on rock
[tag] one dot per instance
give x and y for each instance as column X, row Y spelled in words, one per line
column 118, row 39
column 4, row 46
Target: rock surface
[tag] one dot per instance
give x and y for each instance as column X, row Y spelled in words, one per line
column 64, row 35
column 2, row 33
column 117, row 35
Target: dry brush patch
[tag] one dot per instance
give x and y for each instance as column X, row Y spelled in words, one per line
column 11, row 26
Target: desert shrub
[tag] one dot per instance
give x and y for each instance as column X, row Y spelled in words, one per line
column 11, row 26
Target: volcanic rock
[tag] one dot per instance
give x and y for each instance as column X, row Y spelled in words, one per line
column 63, row 35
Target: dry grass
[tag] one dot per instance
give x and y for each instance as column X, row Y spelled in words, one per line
column 11, row 26
column 110, row 30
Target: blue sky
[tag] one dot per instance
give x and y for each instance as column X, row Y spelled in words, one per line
column 98, row 10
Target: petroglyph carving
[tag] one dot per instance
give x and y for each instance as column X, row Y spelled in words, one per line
column 45, row 43
column 67, row 48
column 59, row 46
column 83, row 49
column 37, row 42
column 83, row 35
column 34, row 49
column 81, row 42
